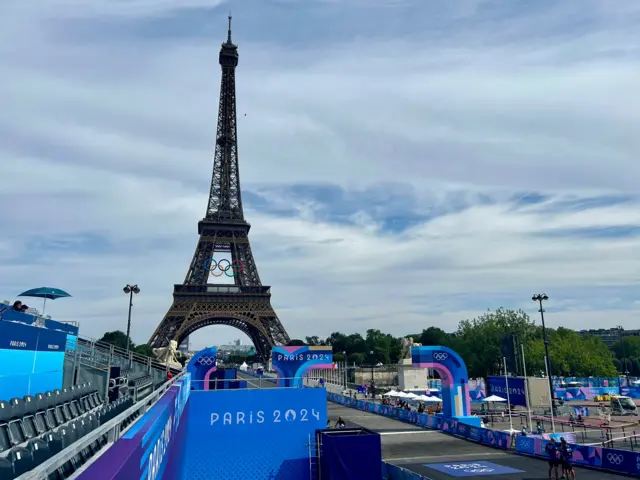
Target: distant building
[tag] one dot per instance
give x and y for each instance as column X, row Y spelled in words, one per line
column 610, row 336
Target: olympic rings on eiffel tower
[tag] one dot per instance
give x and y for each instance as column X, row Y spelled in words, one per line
column 224, row 266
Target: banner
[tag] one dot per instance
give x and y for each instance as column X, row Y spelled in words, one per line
column 143, row 451
column 253, row 434
column 517, row 393
column 292, row 363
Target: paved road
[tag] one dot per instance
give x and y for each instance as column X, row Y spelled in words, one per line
column 414, row 448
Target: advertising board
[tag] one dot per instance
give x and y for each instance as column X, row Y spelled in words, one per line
column 222, row 428
column 517, row 393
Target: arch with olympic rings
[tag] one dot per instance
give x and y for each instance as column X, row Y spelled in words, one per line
column 221, row 267
column 201, row 367
column 456, row 401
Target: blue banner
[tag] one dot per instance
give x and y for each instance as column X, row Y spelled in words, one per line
column 223, row 427
column 292, row 363
column 517, row 393
column 202, row 367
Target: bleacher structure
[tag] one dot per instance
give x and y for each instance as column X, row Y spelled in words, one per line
column 55, row 434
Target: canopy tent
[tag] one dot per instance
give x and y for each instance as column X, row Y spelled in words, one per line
column 244, row 367
column 391, row 393
column 494, row 398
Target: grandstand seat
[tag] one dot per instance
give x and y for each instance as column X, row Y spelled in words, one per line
column 6, row 469
column 67, row 435
column 39, row 450
column 21, row 459
column 54, row 442
column 17, row 434
column 5, row 438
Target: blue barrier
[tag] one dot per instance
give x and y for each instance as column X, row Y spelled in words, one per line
column 452, row 426
column 394, row 472
column 619, row 461
column 144, row 450
column 32, row 359
column 584, row 393
column 222, row 427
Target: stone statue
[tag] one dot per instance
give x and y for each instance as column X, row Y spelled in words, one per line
column 167, row 355
column 406, row 344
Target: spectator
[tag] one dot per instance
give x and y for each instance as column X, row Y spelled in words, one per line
column 17, row 306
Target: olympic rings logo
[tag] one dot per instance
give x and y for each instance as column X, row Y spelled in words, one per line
column 526, row 443
column 224, row 266
column 440, row 356
column 615, row 458
column 206, row 360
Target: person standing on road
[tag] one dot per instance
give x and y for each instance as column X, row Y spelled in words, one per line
column 552, row 452
column 566, row 457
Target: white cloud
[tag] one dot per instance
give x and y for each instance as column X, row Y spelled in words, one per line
column 114, row 135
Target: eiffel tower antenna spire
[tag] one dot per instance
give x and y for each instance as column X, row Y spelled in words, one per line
column 246, row 303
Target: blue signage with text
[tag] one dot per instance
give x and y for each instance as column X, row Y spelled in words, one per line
column 223, row 424
column 517, row 393
column 292, row 363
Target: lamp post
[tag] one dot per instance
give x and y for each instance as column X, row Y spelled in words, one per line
column 373, row 381
column 130, row 290
column 542, row 297
column 346, row 373
column 624, row 354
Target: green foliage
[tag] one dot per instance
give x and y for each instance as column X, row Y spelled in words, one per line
column 628, row 346
column 478, row 341
column 144, row 349
column 296, row 343
column 117, row 339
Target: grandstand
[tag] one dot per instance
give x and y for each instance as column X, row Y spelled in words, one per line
column 65, row 398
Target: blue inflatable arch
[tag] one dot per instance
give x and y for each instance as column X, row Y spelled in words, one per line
column 456, row 401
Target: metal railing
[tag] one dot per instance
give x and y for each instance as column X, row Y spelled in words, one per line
column 252, row 383
column 101, row 353
column 112, row 429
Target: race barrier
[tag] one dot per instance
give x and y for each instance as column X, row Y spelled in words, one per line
column 144, row 450
column 619, row 461
column 485, row 436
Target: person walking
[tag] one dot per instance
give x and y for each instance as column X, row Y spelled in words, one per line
column 566, row 457
column 553, row 456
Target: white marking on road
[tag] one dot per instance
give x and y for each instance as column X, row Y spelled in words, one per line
column 479, row 456
column 409, row 432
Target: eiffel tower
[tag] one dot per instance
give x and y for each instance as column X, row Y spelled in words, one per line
column 245, row 304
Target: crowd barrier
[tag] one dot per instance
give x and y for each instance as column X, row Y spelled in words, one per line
column 584, row 393
column 619, row 461
column 394, row 472
column 490, row 438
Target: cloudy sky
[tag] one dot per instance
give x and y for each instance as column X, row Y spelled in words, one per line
column 405, row 163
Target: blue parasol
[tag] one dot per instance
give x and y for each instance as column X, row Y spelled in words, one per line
column 45, row 293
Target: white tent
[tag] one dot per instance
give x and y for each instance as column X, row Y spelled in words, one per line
column 411, row 396
column 433, row 399
column 402, row 395
column 244, row 367
column 494, row 398
column 391, row 393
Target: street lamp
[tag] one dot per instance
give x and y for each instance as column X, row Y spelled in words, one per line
column 624, row 354
column 542, row 297
column 346, row 374
column 373, row 381
column 130, row 290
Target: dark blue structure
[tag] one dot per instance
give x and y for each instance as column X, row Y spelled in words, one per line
column 349, row 454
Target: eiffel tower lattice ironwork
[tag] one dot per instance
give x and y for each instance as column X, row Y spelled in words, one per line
column 245, row 304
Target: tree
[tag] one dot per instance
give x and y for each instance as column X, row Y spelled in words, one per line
column 296, row 343
column 117, row 339
column 434, row 336
column 314, row 340
column 145, row 350
column 631, row 348
column 478, row 340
